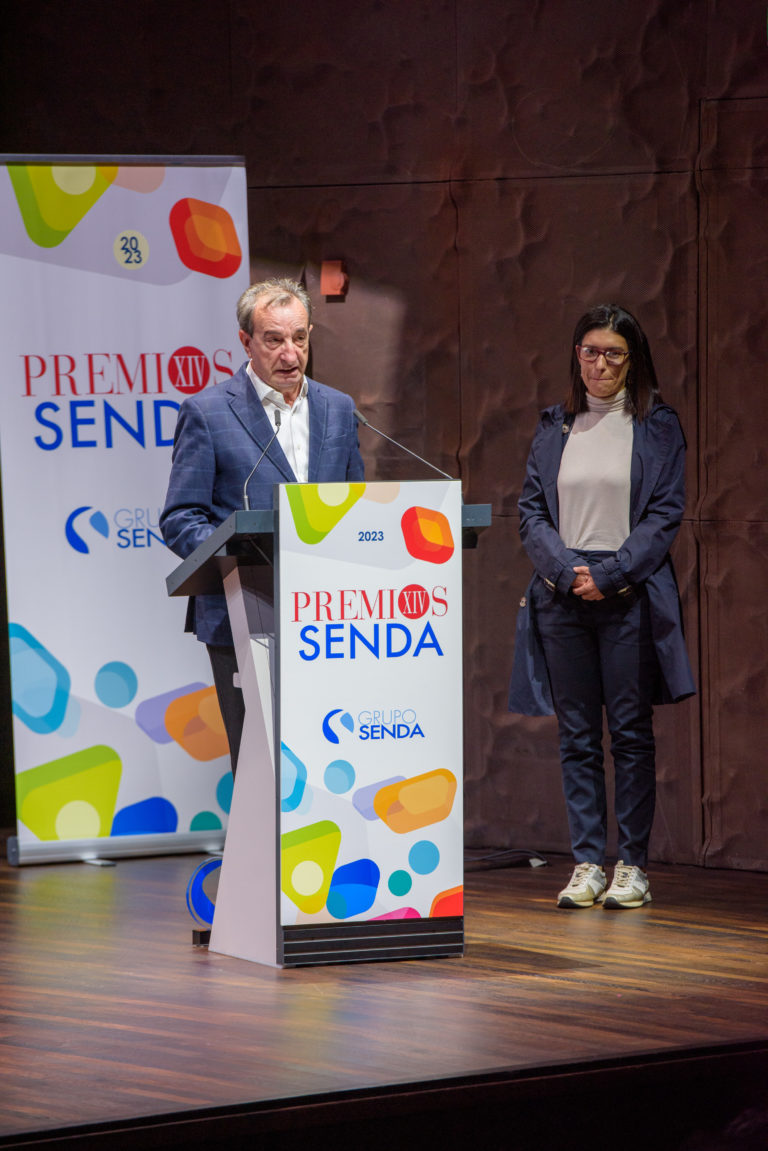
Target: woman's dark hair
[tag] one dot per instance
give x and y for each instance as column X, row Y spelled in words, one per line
column 641, row 383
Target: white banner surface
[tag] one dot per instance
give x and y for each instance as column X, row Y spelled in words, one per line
column 118, row 283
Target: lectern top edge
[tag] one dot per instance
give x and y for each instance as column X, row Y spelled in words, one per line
column 239, row 525
column 201, row 572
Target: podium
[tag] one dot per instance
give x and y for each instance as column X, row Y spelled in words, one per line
column 345, row 835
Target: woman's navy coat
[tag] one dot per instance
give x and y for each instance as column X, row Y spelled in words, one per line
column 657, row 500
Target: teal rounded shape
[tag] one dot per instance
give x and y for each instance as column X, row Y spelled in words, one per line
column 39, row 683
column 423, row 857
column 116, row 684
column 205, row 821
column 400, row 883
column 293, row 779
column 224, row 790
column 339, row 776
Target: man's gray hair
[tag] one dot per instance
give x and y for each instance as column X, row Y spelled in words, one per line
column 278, row 293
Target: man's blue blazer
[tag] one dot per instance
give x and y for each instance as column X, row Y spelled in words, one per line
column 220, row 434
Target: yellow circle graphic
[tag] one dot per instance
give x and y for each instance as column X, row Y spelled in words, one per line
column 333, row 495
column 75, row 180
column 307, row 877
column 131, row 249
column 78, row 819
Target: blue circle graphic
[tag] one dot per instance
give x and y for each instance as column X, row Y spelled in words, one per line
column 116, row 684
column 423, row 857
column 339, row 776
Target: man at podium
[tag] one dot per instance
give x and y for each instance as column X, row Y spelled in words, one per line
column 268, row 424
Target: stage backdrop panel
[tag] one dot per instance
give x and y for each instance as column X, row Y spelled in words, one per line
column 118, row 280
column 644, row 227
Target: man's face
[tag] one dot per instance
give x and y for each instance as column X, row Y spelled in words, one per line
column 279, row 347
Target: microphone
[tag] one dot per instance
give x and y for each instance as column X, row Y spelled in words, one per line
column 362, row 420
column 246, row 501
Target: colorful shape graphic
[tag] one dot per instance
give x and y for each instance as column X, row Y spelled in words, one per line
column 318, row 508
column 70, row 798
column 416, row 802
column 155, row 815
column 400, row 883
column 362, row 800
column 205, row 238
column 205, row 821
column 427, row 535
column 383, row 493
column 40, row 684
column 353, row 889
column 140, row 178
column 400, row 913
column 54, row 198
column 71, row 722
column 339, row 776
column 450, row 902
column 194, row 722
column 293, row 779
column 307, row 860
column 150, row 714
column 423, row 857
column 199, row 904
column 224, row 790
column 116, row 684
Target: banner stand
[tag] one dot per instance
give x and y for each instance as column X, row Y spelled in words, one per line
column 118, row 749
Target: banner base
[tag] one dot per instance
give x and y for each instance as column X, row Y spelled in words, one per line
column 115, row 847
column 363, row 941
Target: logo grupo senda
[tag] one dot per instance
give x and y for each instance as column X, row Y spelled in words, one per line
column 126, row 527
column 345, row 720
column 395, row 723
column 97, row 521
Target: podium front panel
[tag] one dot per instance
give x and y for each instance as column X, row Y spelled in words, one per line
column 369, row 721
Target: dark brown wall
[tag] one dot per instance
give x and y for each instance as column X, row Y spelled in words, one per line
column 487, row 169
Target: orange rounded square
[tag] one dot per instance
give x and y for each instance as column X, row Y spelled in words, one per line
column 427, row 535
column 205, row 238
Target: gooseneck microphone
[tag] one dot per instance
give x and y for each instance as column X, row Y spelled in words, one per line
column 362, row 420
column 246, row 501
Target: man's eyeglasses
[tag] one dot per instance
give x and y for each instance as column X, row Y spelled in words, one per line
column 614, row 357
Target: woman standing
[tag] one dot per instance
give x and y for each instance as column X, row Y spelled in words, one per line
column 600, row 625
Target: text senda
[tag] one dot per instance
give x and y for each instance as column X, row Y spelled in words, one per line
column 377, row 641
column 87, row 424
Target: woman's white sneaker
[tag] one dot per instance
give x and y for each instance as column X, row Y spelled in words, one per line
column 585, row 886
column 630, row 887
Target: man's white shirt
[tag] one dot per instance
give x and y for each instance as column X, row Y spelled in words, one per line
column 293, row 436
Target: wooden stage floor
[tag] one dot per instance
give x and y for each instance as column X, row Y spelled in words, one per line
column 554, row 1029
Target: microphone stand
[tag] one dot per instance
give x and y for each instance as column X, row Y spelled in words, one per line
column 362, row 420
column 246, row 501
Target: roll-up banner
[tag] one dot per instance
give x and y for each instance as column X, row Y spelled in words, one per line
column 119, row 278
